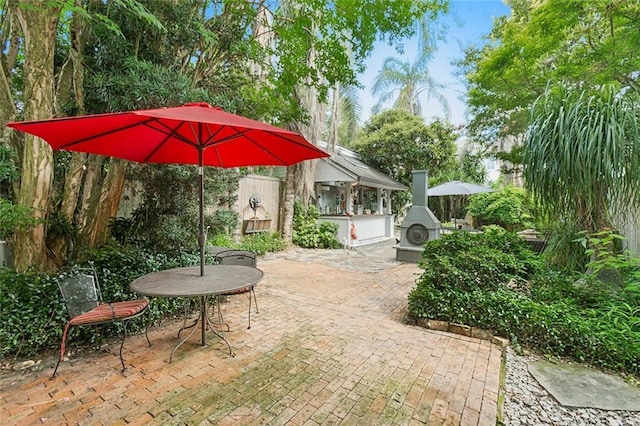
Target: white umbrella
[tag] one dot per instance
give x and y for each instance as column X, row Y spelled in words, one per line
column 456, row 187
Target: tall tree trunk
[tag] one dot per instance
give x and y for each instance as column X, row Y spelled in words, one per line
column 264, row 35
column 100, row 201
column 302, row 175
column 109, row 202
column 38, row 23
column 71, row 80
column 305, row 171
column 90, row 201
column 289, row 197
column 11, row 39
column 335, row 118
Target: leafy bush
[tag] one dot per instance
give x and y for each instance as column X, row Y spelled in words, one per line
column 508, row 208
column 258, row 242
column 33, row 313
column 221, row 240
column 562, row 250
column 14, row 218
column 167, row 219
column 486, row 259
column 603, row 338
column 327, row 232
column 306, row 231
column 263, row 242
column 8, row 169
column 548, row 310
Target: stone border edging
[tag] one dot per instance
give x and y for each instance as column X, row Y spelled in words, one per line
column 461, row 329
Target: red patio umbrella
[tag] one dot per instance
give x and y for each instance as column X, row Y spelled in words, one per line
column 190, row 134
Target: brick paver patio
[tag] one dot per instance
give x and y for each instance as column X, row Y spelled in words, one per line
column 329, row 346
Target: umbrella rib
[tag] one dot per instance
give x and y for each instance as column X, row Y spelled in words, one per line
column 99, row 135
column 211, row 135
column 240, row 133
column 169, row 133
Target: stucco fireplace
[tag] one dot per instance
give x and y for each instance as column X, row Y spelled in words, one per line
column 419, row 225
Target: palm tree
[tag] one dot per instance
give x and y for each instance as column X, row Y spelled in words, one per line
column 581, row 154
column 343, row 119
column 406, row 82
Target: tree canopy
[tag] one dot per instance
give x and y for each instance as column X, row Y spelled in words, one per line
column 76, row 57
column 398, row 142
column 581, row 154
column 406, row 81
column 584, row 42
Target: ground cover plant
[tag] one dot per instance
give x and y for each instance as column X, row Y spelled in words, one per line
column 493, row 281
column 259, row 242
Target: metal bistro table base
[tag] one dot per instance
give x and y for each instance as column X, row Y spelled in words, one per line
column 205, row 323
column 187, row 282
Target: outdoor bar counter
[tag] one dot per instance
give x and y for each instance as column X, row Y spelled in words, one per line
column 369, row 228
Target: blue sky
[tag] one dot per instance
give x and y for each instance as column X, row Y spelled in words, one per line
column 467, row 22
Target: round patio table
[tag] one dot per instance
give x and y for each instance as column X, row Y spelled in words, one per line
column 187, row 282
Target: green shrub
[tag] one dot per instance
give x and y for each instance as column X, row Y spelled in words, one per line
column 306, row 231
column 263, row 242
column 221, row 240
column 486, row 259
column 8, row 169
column 484, row 267
column 489, row 280
column 33, row 314
column 327, row 232
column 562, row 250
column 257, row 242
column 167, row 218
column 509, row 208
column 14, row 218
column 560, row 328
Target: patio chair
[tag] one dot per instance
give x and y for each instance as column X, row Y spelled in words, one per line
column 238, row 257
column 83, row 300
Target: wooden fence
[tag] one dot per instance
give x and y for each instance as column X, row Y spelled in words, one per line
column 630, row 230
column 265, row 217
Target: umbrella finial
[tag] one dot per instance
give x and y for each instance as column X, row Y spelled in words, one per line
column 199, row 104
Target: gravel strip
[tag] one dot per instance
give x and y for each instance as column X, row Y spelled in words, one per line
column 528, row 403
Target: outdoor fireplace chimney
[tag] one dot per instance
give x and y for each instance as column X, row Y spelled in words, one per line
column 420, row 224
column 420, row 187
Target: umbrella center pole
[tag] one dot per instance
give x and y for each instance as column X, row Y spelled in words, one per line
column 202, row 237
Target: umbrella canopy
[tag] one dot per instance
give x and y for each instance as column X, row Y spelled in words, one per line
column 190, row 134
column 196, row 134
column 456, row 187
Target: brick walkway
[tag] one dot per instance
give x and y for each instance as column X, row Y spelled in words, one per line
column 328, row 347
